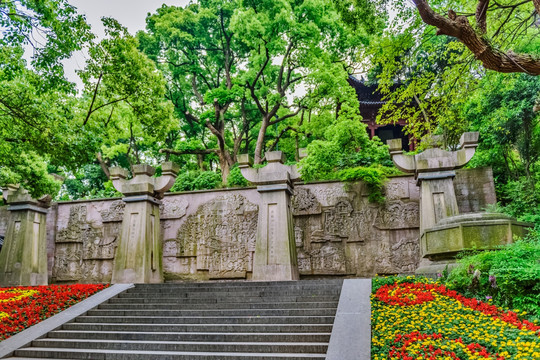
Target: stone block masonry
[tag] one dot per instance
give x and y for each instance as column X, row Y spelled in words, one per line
column 212, row 234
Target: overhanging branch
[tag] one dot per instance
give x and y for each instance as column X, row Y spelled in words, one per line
column 492, row 58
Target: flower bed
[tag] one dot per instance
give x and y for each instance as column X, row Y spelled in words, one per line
column 21, row 307
column 419, row 319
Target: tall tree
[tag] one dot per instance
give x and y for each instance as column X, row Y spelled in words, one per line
column 35, row 102
column 200, row 54
column 123, row 110
column 289, row 42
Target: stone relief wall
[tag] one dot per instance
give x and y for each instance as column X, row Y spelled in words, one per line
column 211, row 234
column 85, row 241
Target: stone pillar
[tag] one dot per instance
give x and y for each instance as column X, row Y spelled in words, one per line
column 435, row 170
column 275, row 248
column 23, row 259
column 138, row 257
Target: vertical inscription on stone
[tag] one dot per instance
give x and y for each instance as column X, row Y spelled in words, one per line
column 134, row 220
column 152, row 241
column 35, row 244
column 272, row 214
column 439, row 205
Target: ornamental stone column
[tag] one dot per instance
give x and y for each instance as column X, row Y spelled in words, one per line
column 138, row 257
column 275, row 248
column 434, row 170
column 23, row 259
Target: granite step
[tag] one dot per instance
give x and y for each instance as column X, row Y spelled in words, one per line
column 53, row 353
column 221, row 305
column 214, row 312
column 210, row 319
column 200, row 346
column 192, row 336
column 229, row 299
column 242, row 328
column 223, row 294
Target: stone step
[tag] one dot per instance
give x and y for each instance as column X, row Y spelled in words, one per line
column 209, row 319
column 209, row 300
column 221, row 305
column 228, row 328
column 153, row 290
column 247, row 283
column 213, row 313
column 220, row 294
column 199, row 346
column 192, row 336
column 56, row 353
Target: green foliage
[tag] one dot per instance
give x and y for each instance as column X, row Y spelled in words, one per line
column 197, row 180
column 29, row 170
column 510, row 275
column 373, row 177
column 235, row 178
column 346, row 153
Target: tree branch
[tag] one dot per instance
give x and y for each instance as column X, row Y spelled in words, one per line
column 189, row 152
column 491, row 58
column 481, row 13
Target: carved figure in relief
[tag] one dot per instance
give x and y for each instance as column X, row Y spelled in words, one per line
column 115, row 212
column 68, row 262
column 398, row 215
column 299, row 236
column 405, row 254
column 304, row 202
column 73, row 232
column 221, row 235
column 329, row 259
column 172, row 208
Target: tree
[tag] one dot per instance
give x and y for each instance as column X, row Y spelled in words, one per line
column 35, row 101
column 123, row 111
column 200, row 54
column 290, row 42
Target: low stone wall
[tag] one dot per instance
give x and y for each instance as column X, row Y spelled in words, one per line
column 211, row 234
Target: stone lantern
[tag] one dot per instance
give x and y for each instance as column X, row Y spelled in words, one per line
column 275, row 247
column 138, row 257
column 23, row 259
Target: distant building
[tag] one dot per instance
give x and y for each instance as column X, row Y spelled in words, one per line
column 370, row 103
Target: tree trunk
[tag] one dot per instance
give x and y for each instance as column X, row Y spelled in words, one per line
column 103, row 165
column 260, row 142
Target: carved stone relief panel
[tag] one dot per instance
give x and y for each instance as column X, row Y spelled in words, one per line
column 84, row 251
column 221, row 235
column 172, row 208
column 405, row 254
column 398, row 215
column 397, row 189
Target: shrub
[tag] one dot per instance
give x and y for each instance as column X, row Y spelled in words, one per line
column 197, row 180
column 235, row 177
column 509, row 275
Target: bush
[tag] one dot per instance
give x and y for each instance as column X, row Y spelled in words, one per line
column 510, row 275
column 197, row 180
column 235, row 177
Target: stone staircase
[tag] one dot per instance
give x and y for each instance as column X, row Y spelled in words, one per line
column 210, row 320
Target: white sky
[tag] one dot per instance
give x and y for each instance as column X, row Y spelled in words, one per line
column 130, row 13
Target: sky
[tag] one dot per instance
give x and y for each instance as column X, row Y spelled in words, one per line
column 130, row 13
